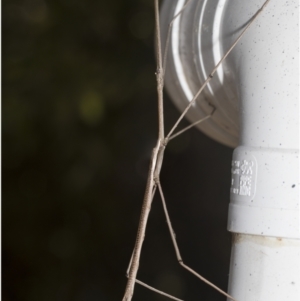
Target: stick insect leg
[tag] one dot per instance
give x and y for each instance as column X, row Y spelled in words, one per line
column 150, row 287
column 144, row 284
column 179, row 258
column 193, row 124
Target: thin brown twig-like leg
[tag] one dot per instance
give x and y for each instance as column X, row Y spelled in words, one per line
column 179, row 258
column 189, row 127
column 156, row 290
column 192, row 125
column 150, row 287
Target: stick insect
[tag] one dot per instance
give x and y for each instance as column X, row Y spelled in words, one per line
column 153, row 180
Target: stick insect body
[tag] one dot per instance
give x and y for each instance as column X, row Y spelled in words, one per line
column 153, row 181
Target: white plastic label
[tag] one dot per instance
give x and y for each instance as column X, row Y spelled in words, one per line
column 243, row 176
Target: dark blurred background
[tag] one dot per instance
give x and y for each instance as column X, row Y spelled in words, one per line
column 79, row 122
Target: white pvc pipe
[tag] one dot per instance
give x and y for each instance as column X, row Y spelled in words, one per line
column 261, row 79
column 264, row 268
column 264, row 207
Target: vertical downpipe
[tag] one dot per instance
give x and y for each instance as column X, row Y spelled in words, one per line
column 264, row 206
column 263, row 73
